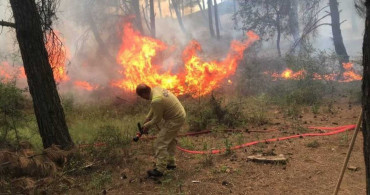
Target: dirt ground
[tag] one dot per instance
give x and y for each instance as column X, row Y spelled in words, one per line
column 313, row 166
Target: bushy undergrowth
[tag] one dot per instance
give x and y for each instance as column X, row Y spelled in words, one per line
column 213, row 112
column 247, row 104
column 12, row 104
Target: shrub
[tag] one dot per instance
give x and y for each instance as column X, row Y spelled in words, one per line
column 111, row 152
column 11, row 109
column 313, row 144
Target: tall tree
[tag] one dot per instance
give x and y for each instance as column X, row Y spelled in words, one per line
column 235, row 14
column 217, row 21
column 46, row 102
column 339, row 47
column 202, row 9
column 210, row 21
column 200, row 6
column 366, row 95
column 103, row 49
column 160, row 8
column 310, row 18
column 175, row 6
column 266, row 17
column 136, row 9
column 170, row 7
column 182, row 8
column 147, row 11
column 294, row 23
column 152, row 19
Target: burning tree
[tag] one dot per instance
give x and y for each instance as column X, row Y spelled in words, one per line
column 340, row 49
column 32, row 24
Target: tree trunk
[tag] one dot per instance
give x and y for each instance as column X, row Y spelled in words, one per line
column 136, row 7
column 160, row 8
column 210, row 18
column 170, row 7
column 201, row 9
column 178, row 15
column 200, row 5
column 182, row 8
column 236, row 18
column 366, row 96
column 278, row 29
column 354, row 22
column 152, row 19
column 217, row 21
column 146, row 12
column 46, row 102
column 340, row 49
column 103, row 50
column 294, row 25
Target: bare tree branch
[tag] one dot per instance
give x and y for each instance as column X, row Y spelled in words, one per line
column 7, row 24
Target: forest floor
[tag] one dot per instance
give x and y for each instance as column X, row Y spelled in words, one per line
column 313, row 163
column 313, row 166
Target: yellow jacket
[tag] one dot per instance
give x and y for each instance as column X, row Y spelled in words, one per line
column 165, row 106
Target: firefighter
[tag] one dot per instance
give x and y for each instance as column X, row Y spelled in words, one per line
column 164, row 105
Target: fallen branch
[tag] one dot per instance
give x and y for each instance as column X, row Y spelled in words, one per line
column 268, row 159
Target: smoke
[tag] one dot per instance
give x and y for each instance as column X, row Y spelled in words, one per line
column 90, row 61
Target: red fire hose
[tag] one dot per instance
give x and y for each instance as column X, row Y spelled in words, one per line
column 332, row 131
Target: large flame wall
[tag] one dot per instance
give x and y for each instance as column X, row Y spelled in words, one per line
column 198, row 77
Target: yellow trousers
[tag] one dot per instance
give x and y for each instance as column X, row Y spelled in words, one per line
column 165, row 144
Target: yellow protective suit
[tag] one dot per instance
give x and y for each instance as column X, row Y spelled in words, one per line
column 166, row 106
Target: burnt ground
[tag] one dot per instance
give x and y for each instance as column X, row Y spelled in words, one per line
column 313, row 166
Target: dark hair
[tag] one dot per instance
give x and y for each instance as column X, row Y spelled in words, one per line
column 142, row 89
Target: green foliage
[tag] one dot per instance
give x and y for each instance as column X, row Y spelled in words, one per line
column 313, row 144
column 11, row 109
column 100, row 180
column 112, row 136
column 264, row 17
column 200, row 116
column 240, row 138
column 228, row 146
column 305, row 94
column 208, row 158
column 115, row 146
column 256, row 109
column 315, row 108
column 68, row 103
column 187, row 143
column 344, row 139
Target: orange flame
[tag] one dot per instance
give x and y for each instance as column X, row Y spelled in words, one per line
column 348, row 75
column 8, row 72
column 85, row 85
column 58, row 55
column 289, row 74
column 198, row 77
